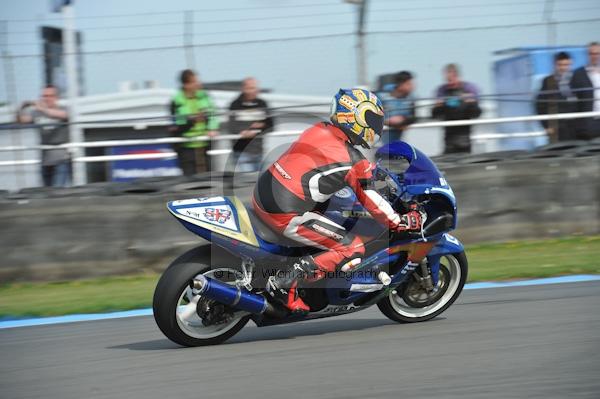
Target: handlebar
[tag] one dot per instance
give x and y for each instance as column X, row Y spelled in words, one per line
column 381, row 173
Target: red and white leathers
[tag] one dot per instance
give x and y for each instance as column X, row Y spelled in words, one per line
column 291, row 193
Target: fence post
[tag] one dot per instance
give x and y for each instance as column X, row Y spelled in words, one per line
column 11, row 100
column 70, row 57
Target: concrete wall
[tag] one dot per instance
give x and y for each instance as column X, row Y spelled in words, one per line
column 119, row 229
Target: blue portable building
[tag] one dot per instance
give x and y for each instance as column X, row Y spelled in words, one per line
column 517, row 79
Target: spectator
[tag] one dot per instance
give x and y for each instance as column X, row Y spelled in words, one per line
column 456, row 100
column 399, row 106
column 56, row 163
column 249, row 119
column 194, row 116
column 585, row 84
column 556, row 97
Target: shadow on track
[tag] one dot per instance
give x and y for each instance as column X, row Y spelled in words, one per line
column 304, row 329
column 153, row 345
column 284, row 331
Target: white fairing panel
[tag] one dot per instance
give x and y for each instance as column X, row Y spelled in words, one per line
column 214, row 211
column 223, row 215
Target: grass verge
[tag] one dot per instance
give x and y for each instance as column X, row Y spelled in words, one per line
column 505, row 261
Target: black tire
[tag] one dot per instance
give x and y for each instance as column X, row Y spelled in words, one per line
column 167, row 294
column 391, row 308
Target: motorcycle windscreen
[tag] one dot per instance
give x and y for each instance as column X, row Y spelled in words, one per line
column 421, row 170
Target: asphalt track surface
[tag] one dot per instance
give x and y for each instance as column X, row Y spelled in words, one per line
column 518, row 342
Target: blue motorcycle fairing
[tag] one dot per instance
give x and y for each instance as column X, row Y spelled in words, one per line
column 420, row 189
column 265, row 250
column 446, row 192
column 448, row 244
column 339, row 286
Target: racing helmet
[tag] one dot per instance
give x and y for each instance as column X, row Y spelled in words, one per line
column 359, row 114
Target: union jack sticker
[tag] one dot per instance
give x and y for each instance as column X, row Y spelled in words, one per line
column 217, row 215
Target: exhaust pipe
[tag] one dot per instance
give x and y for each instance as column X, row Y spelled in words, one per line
column 234, row 296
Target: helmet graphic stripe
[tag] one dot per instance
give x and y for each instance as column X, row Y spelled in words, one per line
column 348, row 102
column 359, row 94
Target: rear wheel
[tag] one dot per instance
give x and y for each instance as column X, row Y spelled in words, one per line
column 188, row 319
column 413, row 303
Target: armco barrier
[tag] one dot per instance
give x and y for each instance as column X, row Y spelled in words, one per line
column 46, row 236
column 564, row 145
column 589, row 150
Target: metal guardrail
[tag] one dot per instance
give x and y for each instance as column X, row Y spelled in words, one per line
column 283, row 133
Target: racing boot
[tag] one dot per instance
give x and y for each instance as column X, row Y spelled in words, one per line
column 284, row 288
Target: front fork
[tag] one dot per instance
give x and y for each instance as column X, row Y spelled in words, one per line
column 425, row 278
column 417, row 256
column 417, row 253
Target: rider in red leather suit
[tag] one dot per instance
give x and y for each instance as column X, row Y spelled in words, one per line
column 293, row 192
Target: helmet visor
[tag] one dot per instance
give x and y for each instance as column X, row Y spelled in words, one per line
column 375, row 121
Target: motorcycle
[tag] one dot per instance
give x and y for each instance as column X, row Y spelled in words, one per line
column 209, row 293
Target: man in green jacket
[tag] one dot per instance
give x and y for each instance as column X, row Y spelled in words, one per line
column 194, row 116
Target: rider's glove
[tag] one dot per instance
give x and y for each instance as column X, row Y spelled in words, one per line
column 411, row 221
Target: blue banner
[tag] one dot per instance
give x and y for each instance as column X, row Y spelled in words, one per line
column 140, row 168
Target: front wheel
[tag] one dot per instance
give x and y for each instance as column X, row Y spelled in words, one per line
column 412, row 303
column 188, row 319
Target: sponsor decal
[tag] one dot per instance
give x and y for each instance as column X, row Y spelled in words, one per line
column 344, row 193
column 451, row 239
column 217, row 215
column 193, row 214
column 282, row 171
column 409, row 267
column 326, row 232
column 339, row 309
column 356, row 214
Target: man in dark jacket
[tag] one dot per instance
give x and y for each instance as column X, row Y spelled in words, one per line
column 249, row 118
column 585, row 84
column 456, row 100
column 555, row 97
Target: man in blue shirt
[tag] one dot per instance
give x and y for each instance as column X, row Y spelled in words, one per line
column 399, row 106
